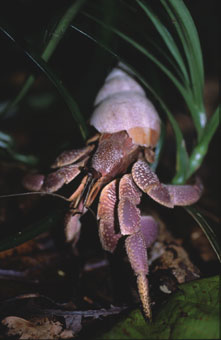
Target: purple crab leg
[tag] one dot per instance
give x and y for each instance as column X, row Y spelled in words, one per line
column 149, row 229
column 106, row 216
column 128, row 213
column 71, row 156
column 33, row 182
column 137, row 254
column 141, row 231
column 55, row 180
column 168, row 195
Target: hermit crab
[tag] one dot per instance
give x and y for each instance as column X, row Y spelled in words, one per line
column 116, row 162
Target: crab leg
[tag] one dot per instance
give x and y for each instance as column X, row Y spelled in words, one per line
column 168, row 195
column 106, row 216
column 55, row 180
column 141, row 231
column 137, row 254
column 71, row 156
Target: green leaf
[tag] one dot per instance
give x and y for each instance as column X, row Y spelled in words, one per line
column 30, row 232
column 186, row 30
column 7, row 147
column 201, row 149
column 56, row 37
column 6, row 139
column 190, row 313
column 167, row 39
column 212, row 238
column 42, row 65
column 182, row 158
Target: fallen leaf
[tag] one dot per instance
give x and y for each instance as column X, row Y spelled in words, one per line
column 36, row 328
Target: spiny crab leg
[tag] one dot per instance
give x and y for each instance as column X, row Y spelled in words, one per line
column 137, row 254
column 106, row 216
column 55, row 180
column 141, row 232
column 71, row 156
column 168, row 195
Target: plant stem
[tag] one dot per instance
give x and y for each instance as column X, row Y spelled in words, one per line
column 56, row 37
column 201, row 149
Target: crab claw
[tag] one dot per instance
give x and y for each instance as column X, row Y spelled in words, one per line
column 168, row 195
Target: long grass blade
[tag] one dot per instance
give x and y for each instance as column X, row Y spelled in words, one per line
column 42, row 65
column 187, row 32
column 167, row 39
column 7, row 148
column 201, row 149
column 188, row 36
column 211, row 236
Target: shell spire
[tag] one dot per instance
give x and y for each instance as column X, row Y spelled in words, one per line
column 121, row 104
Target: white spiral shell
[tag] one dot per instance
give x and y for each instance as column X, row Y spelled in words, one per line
column 121, row 104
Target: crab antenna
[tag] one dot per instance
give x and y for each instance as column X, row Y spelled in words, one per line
column 40, row 193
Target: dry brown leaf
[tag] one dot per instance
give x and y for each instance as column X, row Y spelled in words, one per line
column 36, row 328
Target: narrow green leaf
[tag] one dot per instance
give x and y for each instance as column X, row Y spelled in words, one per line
column 42, row 65
column 212, row 238
column 56, row 37
column 182, row 158
column 166, row 56
column 26, row 159
column 167, row 39
column 201, row 149
column 192, row 312
column 7, row 144
column 32, row 231
column 187, row 33
column 6, row 138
